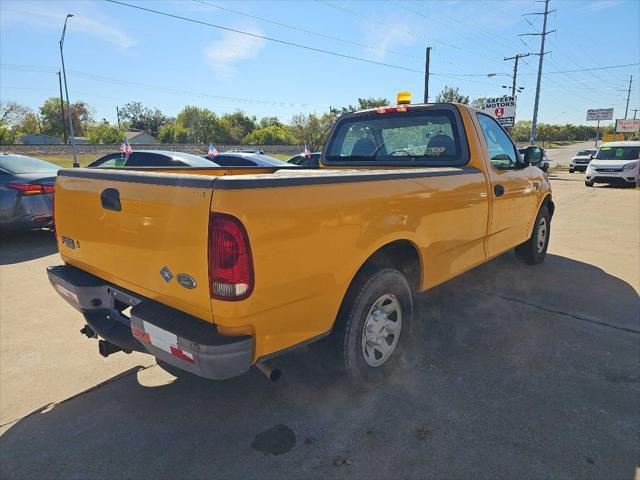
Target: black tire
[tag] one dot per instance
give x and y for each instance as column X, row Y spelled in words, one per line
column 588, row 183
column 348, row 333
column 571, row 170
column 532, row 251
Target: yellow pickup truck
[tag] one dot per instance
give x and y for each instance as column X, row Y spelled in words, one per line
column 215, row 270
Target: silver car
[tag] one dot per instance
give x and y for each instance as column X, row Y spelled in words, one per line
column 26, row 192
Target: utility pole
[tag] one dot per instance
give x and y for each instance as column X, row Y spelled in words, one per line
column 64, row 127
column 516, row 58
column 626, row 110
column 541, row 55
column 426, row 75
column 66, row 91
column 635, row 110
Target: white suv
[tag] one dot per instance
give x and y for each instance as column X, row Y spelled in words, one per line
column 580, row 160
column 615, row 162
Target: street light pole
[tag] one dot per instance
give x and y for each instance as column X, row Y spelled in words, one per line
column 66, row 91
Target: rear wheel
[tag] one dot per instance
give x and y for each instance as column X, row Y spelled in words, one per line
column 373, row 326
column 534, row 250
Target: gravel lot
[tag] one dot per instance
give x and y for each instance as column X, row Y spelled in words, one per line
column 521, row 372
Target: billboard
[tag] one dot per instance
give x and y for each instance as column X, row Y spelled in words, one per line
column 600, row 114
column 502, row 109
column 627, row 126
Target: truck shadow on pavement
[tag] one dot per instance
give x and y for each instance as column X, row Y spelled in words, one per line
column 516, row 371
column 18, row 247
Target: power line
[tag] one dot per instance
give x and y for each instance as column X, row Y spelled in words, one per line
column 118, row 81
column 310, row 32
column 387, row 26
column 264, row 37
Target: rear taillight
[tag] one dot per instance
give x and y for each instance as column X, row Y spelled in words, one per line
column 26, row 189
column 230, row 262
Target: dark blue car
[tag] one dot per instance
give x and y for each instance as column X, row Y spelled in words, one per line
column 26, row 192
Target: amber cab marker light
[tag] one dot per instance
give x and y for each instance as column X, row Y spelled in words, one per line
column 403, row 98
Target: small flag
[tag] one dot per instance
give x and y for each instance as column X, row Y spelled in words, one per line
column 213, row 151
column 307, row 152
column 125, row 148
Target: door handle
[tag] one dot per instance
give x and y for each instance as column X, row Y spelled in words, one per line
column 498, row 190
column 110, row 199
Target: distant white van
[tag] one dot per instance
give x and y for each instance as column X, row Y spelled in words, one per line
column 615, row 162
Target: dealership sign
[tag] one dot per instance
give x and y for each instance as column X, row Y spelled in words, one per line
column 610, row 137
column 627, row 126
column 600, row 114
column 502, row 109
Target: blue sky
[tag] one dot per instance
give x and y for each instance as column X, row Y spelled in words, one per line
column 115, row 54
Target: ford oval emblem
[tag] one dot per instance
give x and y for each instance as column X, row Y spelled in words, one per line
column 187, row 281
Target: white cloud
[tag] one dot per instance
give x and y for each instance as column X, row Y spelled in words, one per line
column 32, row 13
column 222, row 55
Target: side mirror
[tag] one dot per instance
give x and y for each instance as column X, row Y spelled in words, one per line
column 533, row 155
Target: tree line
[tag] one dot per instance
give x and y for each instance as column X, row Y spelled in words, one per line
column 192, row 125
column 200, row 125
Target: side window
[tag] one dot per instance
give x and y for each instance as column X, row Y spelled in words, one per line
column 111, row 160
column 146, row 159
column 501, row 150
column 233, row 161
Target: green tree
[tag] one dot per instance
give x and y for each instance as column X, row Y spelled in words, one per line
column 8, row 136
column 237, row 126
column 451, row 94
column 52, row 123
column 193, row 125
column 479, row 102
column 12, row 116
column 312, row 129
column 363, row 104
column 29, row 124
column 139, row 117
column 105, row 133
column 12, row 113
column 521, row 131
column 271, row 135
column 269, row 122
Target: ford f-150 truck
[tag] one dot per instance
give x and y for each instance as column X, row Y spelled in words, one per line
column 215, row 270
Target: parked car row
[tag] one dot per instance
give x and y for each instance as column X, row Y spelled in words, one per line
column 27, row 183
column 163, row 158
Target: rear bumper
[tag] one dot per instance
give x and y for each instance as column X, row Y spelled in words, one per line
column 170, row 335
column 27, row 213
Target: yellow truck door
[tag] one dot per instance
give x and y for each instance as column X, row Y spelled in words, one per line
column 511, row 187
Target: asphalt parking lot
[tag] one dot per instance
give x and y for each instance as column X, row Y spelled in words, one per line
column 520, row 372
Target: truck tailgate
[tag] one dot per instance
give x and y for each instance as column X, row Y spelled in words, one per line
column 147, row 232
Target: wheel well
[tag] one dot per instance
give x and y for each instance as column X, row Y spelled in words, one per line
column 402, row 255
column 549, row 204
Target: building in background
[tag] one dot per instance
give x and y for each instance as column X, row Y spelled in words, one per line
column 141, row 138
column 39, row 139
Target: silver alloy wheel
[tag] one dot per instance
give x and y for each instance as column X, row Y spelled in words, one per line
column 542, row 235
column 381, row 330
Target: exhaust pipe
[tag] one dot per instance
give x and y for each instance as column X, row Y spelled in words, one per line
column 107, row 348
column 269, row 370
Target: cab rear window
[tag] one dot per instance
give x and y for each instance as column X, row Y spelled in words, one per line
column 412, row 137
